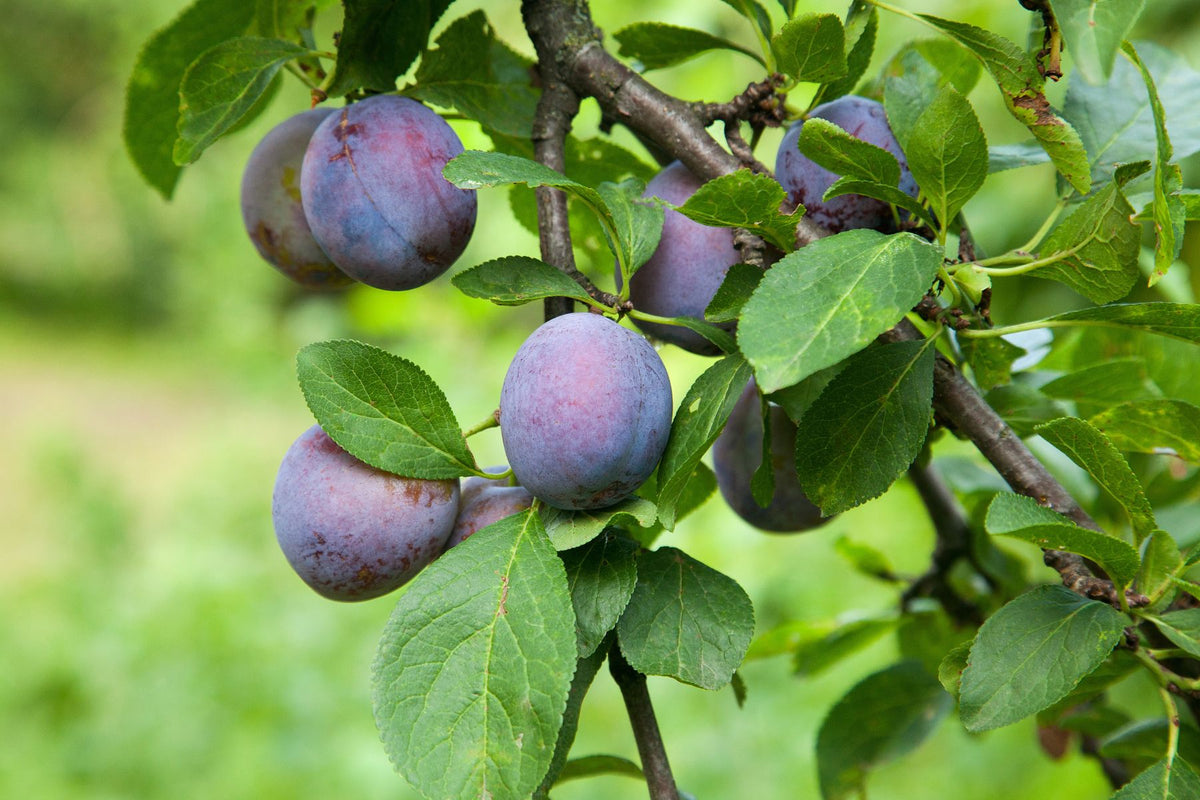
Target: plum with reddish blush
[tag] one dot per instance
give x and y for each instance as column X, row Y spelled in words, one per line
column 483, row 501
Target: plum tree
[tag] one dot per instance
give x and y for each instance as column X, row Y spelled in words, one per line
column 353, row 532
column 271, row 207
column 483, row 501
column 737, row 454
column 806, row 181
column 585, row 411
column 375, row 197
column 686, row 269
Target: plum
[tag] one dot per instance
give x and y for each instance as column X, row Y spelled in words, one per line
column 375, row 197
column 806, row 182
column 483, row 501
column 737, row 453
column 686, row 269
column 271, row 207
column 585, row 411
column 351, row 531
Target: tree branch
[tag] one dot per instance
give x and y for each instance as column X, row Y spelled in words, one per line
column 659, row 780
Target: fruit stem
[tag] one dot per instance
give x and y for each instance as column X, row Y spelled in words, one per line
column 492, row 421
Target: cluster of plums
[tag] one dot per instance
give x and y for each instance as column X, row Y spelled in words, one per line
column 585, row 409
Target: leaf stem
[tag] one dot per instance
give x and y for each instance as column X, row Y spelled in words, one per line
column 659, row 780
column 1036, row 240
column 900, row 11
column 1021, row 269
column 1172, row 727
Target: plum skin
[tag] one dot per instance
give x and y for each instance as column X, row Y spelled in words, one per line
column 687, row 267
column 483, row 501
column 353, row 532
column 375, row 197
column 737, row 453
column 272, row 210
column 585, row 411
column 806, row 182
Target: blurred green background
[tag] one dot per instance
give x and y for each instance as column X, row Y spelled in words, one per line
column 154, row 643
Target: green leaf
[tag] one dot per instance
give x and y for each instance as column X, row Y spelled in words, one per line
column 1024, row 407
column 1106, row 383
column 1003, row 157
column 739, row 283
column 1177, row 320
column 638, row 224
column 1160, row 562
column 830, row 299
column 861, row 26
column 1144, row 741
column 380, row 39
column 478, row 74
column 884, row 717
column 152, row 96
column 1032, row 652
column 589, row 766
column 222, row 85
column 839, row 152
column 947, row 153
column 1093, row 32
column 864, row 558
column 762, row 482
column 698, row 421
column 475, row 663
column 568, row 529
column 798, row 399
column 601, row 576
column 1116, row 121
column 383, row 410
column 951, row 669
column 657, row 45
column 560, row 768
column 515, row 280
column 1096, row 247
column 745, row 199
column 284, row 19
column 888, row 194
column 811, row 48
column 686, row 620
column 867, row 427
column 912, row 81
column 1091, row 450
column 755, row 13
column 1153, row 426
column 957, row 65
column 1162, row 781
column 1022, row 518
column 1021, row 85
column 991, row 360
column 813, row 655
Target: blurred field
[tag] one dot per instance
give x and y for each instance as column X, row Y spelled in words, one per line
column 153, row 642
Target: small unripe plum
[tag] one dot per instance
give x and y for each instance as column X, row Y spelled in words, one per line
column 686, row 269
column 585, row 412
column 375, row 197
column 351, row 531
column 483, row 501
column 271, row 207
column 806, row 182
column 737, row 454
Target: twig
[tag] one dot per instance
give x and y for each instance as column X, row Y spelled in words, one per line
column 659, row 780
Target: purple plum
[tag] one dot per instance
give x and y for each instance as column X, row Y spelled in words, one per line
column 686, row 269
column 806, row 182
column 483, row 501
column 351, row 531
column 375, row 197
column 737, row 454
column 585, row 412
column 271, row 207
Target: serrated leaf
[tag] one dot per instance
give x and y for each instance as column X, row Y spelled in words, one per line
column 1022, row 518
column 601, row 576
column 1003, row 157
column 379, row 41
column 515, row 280
column 739, row 283
column 1116, row 121
column 560, row 768
column 839, row 152
column 698, row 421
column 222, row 85
column 283, row 19
column 888, row 194
column 956, row 64
column 951, row 669
column 1153, row 426
column 637, row 223
column 797, row 399
column 882, row 718
column 1182, row 628
column 1160, row 562
column 1144, row 741
column 811, row 48
column 685, row 621
column 947, row 153
column 1091, row 450
column 1177, row 320
column 383, row 410
column 475, row 72
column 762, row 482
column 1096, row 247
column 152, row 96
column 568, row 529
column 1021, row 85
column 1106, row 383
column 1032, row 652
column 991, row 360
column 830, row 299
column 1163, row 780
column 867, row 427
column 475, row 663
column 657, row 45
column 1093, row 31
column 754, row 12
column 861, row 27
column 745, row 199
